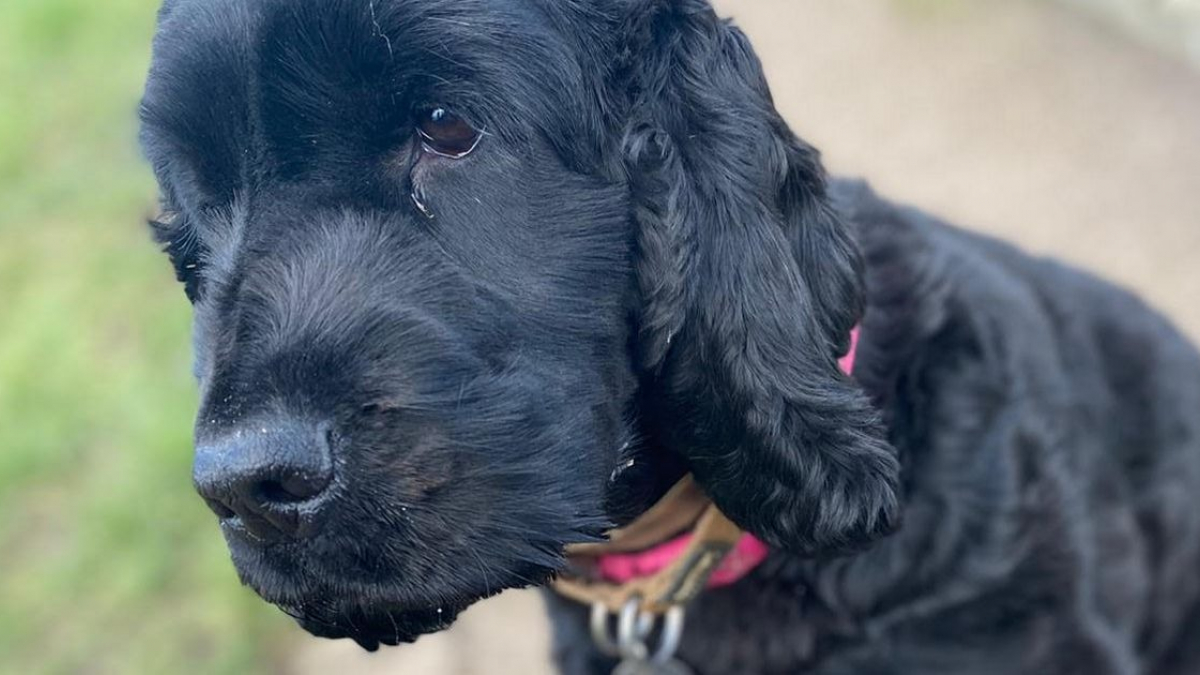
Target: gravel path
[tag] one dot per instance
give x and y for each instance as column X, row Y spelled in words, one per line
column 1017, row 118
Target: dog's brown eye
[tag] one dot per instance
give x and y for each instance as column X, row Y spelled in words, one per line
column 445, row 134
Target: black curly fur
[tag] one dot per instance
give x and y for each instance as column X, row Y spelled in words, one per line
column 752, row 286
column 640, row 272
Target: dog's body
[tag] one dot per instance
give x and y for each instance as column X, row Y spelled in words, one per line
column 1048, row 425
column 477, row 279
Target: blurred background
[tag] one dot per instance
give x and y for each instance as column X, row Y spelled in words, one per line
column 1072, row 127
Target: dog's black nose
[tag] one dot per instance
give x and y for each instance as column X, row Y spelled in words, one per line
column 271, row 475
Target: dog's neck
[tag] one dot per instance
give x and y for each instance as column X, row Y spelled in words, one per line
column 680, row 524
column 647, row 470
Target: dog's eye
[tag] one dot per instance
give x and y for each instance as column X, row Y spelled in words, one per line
column 447, row 135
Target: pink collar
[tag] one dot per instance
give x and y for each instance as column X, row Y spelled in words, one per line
column 749, row 553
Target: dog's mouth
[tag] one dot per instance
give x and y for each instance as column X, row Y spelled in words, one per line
column 372, row 627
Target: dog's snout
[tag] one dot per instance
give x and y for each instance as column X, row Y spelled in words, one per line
column 270, row 475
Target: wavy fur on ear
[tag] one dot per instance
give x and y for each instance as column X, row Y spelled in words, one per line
column 751, row 286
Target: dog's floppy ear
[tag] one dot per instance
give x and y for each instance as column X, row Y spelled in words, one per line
column 751, row 286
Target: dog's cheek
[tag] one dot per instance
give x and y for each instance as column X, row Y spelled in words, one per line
column 420, row 192
column 430, row 180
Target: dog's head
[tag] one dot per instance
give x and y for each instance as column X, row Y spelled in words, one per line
column 456, row 263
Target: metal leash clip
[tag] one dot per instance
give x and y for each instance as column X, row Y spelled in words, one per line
column 634, row 628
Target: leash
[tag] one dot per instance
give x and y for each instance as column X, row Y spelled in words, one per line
column 638, row 587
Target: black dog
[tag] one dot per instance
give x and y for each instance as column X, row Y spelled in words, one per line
column 456, row 262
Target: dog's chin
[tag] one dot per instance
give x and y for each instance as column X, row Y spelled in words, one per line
column 372, row 627
column 371, row 611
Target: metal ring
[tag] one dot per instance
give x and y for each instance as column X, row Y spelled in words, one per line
column 601, row 636
column 634, row 626
column 671, row 636
column 632, row 631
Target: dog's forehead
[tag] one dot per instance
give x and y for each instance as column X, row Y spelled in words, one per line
column 304, row 77
column 324, row 45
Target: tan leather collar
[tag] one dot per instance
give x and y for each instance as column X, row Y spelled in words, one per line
column 684, row 508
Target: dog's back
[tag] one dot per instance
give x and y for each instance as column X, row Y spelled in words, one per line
column 1067, row 412
column 1134, row 411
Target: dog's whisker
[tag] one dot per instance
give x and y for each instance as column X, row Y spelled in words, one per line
column 379, row 29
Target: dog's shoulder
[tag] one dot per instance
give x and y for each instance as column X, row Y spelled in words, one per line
column 1083, row 389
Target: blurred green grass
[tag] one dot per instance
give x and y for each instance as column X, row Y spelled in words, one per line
column 108, row 562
